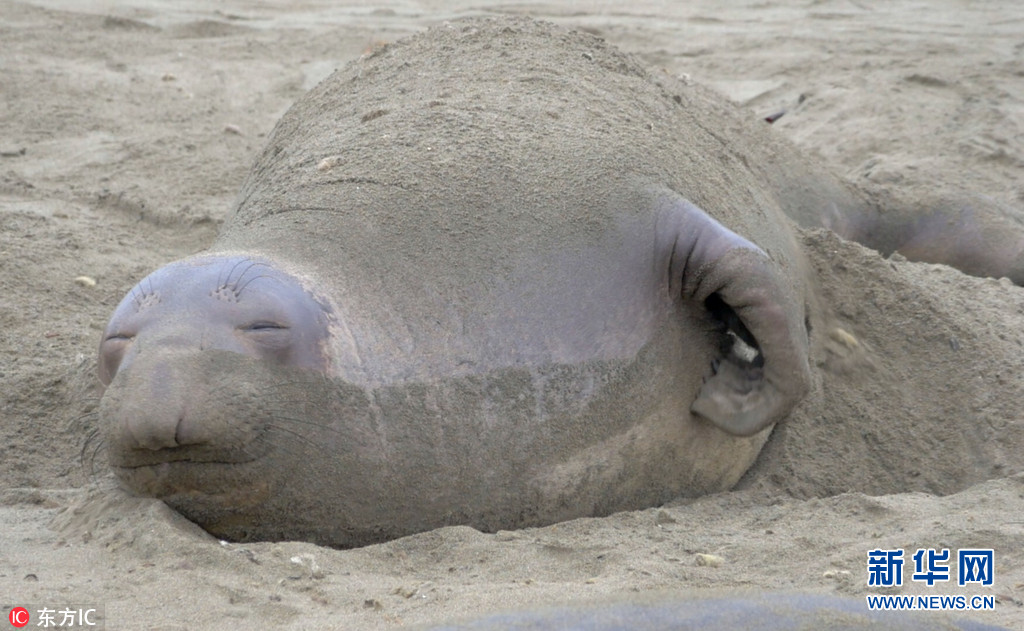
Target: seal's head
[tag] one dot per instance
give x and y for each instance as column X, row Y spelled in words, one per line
column 185, row 359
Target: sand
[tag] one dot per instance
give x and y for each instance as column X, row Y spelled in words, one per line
column 127, row 128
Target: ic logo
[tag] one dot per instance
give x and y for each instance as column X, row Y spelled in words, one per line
column 18, row 616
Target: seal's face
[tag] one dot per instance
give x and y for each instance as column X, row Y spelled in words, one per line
column 185, row 359
column 238, row 304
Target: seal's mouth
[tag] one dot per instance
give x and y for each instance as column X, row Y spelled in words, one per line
column 215, row 476
column 205, row 454
column 213, row 485
column 245, row 443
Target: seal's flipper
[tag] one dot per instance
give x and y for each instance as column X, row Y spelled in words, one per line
column 764, row 372
column 974, row 233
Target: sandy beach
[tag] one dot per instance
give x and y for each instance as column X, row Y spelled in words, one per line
column 127, row 127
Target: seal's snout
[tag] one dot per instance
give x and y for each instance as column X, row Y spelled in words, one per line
column 158, row 417
column 146, row 434
column 183, row 406
column 151, row 433
column 152, row 406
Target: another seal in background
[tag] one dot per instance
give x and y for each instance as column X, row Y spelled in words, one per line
column 751, row 612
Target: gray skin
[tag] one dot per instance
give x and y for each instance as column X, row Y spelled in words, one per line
column 496, row 275
column 763, row 612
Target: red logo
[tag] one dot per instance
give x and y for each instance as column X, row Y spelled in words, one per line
column 18, row 616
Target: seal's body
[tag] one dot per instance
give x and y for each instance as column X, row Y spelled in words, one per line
column 495, row 275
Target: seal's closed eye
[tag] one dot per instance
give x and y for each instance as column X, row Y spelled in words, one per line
column 264, row 326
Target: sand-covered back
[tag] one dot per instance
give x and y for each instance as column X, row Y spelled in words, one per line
column 127, row 128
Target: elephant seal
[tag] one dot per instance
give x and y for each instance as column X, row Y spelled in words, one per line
column 496, row 274
column 762, row 612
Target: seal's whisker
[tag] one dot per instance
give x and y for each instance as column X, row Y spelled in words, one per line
column 136, row 298
column 86, row 442
column 281, row 445
column 239, row 290
column 100, row 445
column 316, row 424
column 308, row 379
column 84, row 416
column 303, row 439
column 234, row 283
column 87, row 457
column 227, row 279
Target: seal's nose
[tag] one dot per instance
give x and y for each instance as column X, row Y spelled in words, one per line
column 179, row 405
column 159, row 412
column 163, row 399
column 153, row 434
